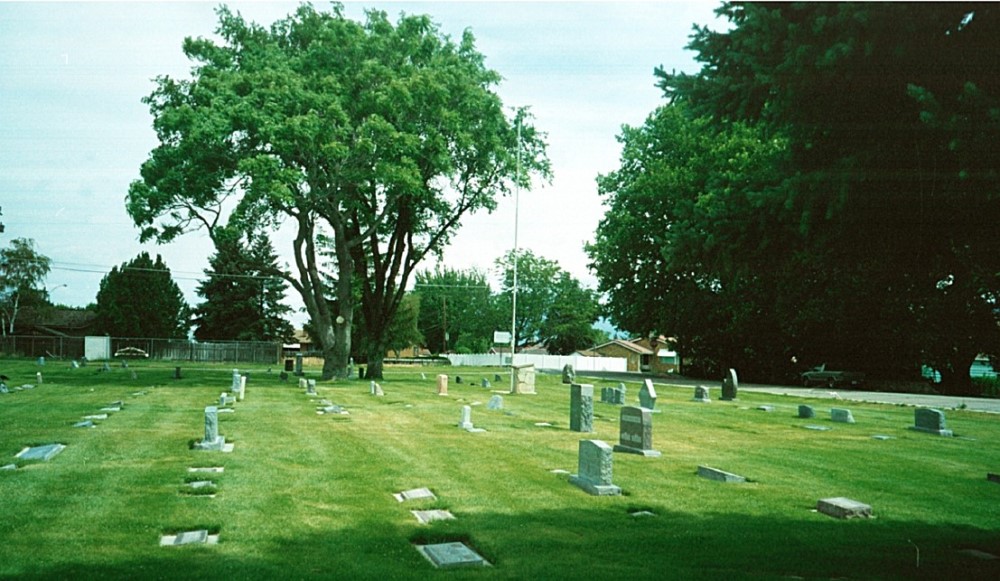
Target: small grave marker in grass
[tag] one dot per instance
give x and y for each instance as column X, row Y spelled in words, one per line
column 450, row 555
column 442, row 384
column 415, row 494
column 207, row 469
column 647, row 394
column 96, row 417
column 766, row 408
column 8, row 467
column 200, row 537
column 84, row 424
column 595, row 469
column 43, row 453
column 841, row 507
column 719, row 475
column 881, row 437
column 495, row 403
column 816, row 428
column 466, row 422
column 806, row 411
column 841, row 416
column 701, row 394
column 426, row 516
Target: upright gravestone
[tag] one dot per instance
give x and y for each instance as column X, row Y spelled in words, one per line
column 581, row 407
column 841, row 416
column 605, row 395
column 177, row 372
column 595, row 469
column 243, row 387
column 311, row 387
column 647, row 395
column 235, row 389
column 466, row 422
column 298, row 364
column 442, row 384
column 635, row 432
column 701, row 394
column 485, row 383
column 212, row 440
column 495, row 403
column 930, row 421
column 524, row 379
column 38, row 374
column 730, row 386
column 806, row 411
column 568, row 374
column 618, row 394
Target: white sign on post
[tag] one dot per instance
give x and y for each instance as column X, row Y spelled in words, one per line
column 501, row 337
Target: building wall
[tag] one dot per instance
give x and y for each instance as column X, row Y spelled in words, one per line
column 614, row 350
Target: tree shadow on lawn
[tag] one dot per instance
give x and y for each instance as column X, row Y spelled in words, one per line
column 602, row 541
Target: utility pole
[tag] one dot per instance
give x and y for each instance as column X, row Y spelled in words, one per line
column 517, row 197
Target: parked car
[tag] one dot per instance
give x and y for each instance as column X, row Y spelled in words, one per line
column 820, row 376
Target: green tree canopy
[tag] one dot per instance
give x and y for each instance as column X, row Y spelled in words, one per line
column 140, row 299
column 458, row 311
column 22, row 273
column 243, row 293
column 382, row 136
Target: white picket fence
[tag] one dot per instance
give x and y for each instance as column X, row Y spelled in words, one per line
column 553, row 362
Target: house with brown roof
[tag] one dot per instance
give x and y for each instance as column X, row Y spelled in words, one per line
column 638, row 358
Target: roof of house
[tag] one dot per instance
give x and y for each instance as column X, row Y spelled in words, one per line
column 626, row 345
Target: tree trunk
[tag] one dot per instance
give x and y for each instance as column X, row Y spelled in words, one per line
column 376, row 357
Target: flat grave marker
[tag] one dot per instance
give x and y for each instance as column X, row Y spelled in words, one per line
column 427, row 516
column 43, row 453
column 451, row 555
column 719, row 475
column 414, row 494
column 841, row 507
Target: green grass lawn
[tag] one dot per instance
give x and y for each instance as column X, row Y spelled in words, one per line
column 310, row 496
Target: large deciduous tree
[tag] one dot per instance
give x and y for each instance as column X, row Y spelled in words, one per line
column 22, row 272
column 140, row 299
column 457, row 310
column 243, row 292
column 382, row 136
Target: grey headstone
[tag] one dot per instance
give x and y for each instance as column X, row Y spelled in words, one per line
column 568, row 374
column 931, row 421
column 450, row 555
column 212, row 440
column 298, row 364
column 496, row 377
column 311, row 386
column 806, row 411
column 647, row 395
column 466, row 422
column 701, row 394
column 486, row 383
column 841, row 507
column 495, row 403
column 41, row 361
column 177, row 372
column 208, row 469
column 719, row 475
column 191, row 537
column 581, row 407
column 44, row 453
column 423, row 375
column 96, row 417
column 841, row 416
column 730, row 386
column 595, row 469
column 635, row 432
column 605, row 395
column 200, row 484
column 458, row 380
column 426, row 516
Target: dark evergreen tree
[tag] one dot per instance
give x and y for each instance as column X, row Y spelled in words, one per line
column 140, row 299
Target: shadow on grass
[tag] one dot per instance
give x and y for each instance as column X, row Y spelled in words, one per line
column 603, row 541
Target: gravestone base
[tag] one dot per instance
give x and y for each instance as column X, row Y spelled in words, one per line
column 218, row 445
column 451, row 555
column 595, row 489
column 719, row 475
column 945, row 433
column 639, row 451
column 841, row 507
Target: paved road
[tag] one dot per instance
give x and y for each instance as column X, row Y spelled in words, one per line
column 980, row 404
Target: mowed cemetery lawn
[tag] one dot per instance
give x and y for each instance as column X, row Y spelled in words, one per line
column 305, row 495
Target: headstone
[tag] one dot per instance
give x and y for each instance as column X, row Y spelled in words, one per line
column 618, row 394
column 605, row 395
column 105, row 367
column 289, row 365
column 8, row 467
column 235, row 388
column 730, row 386
column 442, row 384
column 426, row 516
column 595, row 469
column 38, row 374
column 719, row 475
column 212, row 439
column 298, row 364
column 701, row 394
column 361, row 373
column 495, row 403
column 75, row 364
column 466, row 422
column 841, row 507
column 568, row 374
column 311, row 387
column 647, row 395
column 930, row 421
column 806, row 411
column 485, row 383
column 44, row 453
column 496, row 377
column 41, row 361
column 208, row 469
column 816, row 428
column 458, row 380
column 222, row 399
column 415, row 494
column 423, row 375
column 177, row 372
column 841, row 416
column 635, row 432
column 524, row 379
column 243, row 387
column 189, row 538
column 85, row 424
column 303, row 383
column 581, row 407
column 451, row 555
column 96, row 417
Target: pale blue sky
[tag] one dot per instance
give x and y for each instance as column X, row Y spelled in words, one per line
column 73, row 131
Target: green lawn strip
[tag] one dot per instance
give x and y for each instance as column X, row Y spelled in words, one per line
column 310, row 496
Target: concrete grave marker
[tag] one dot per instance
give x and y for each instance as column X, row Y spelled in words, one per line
column 581, row 407
column 806, row 412
column 96, row 417
column 496, row 377
column 426, row 516
column 84, row 424
column 8, row 467
column 442, row 384
column 931, row 421
column 647, row 394
column 817, row 428
column 177, row 372
column 701, row 394
column 189, row 538
column 719, row 475
column 235, row 388
column 303, row 384
column 841, row 416
column 485, row 383
column 841, row 507
column 415, row 494
column 423, row 375
column 730, row 386
column 212, row 439
column 595, row 469
column 458, row 380
column 495, row 403
column 38, row 378
column 207, row 469
column 766, row 408
column 466, row 422
column 298, row 364
column 618, row 394
column 568, row 374
column 524, row 379
column 636, row 432
column 451, row 555
column 43, row 453
column 993, row 477
column 375, row 389
column 310, row 387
